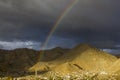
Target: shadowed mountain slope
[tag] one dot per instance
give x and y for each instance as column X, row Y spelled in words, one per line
column 49, row 55
column 18, row 61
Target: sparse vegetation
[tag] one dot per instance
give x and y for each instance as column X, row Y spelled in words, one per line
column 73, row 76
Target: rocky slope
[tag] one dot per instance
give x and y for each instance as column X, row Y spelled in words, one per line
column 18, row 61
column 83, row 57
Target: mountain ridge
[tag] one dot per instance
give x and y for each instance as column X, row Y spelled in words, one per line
column 82, row 57
column 18, row 61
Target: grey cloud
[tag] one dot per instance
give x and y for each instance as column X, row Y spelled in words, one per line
column 96, row 14
column 19, row 44
column 88, row 21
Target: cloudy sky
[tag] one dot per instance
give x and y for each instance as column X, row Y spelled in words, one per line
column 27, row 23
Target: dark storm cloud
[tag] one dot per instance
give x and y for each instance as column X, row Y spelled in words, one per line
column 93, row 21
column 27, row 18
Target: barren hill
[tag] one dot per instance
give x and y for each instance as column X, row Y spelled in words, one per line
column 115, row 67
column 91, row 58
column 82, row 57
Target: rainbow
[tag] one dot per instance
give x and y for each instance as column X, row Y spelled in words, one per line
column 58, row 21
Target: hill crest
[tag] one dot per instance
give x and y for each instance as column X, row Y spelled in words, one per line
column 85, row 57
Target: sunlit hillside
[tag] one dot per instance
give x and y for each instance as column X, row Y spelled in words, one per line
column 80, row 61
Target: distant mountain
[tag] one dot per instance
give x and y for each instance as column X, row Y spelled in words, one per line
column 19, row 60
column 82, row 57
column 49, row 55
column 90, row 57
